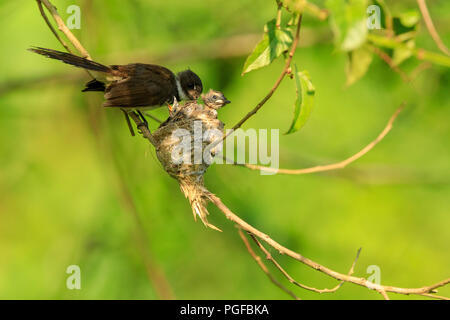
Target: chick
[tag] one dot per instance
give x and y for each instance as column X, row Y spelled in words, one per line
column 215, row 99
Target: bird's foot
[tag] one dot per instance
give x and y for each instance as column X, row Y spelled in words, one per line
column 127, row 119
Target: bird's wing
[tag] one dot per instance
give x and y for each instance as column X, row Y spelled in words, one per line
column 145, row 85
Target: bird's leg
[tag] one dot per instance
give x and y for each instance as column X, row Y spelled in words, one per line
column 127, row 119
column 149, row 115
column 144, row 121
column 143, row 118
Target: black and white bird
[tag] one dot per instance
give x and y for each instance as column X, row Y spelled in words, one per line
column 135, row 86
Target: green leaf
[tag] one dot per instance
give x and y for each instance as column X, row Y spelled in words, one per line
column 348, row 22
column 358, row 63
column 405, row 29
column 304, row 101
column 403, row 53
column 420, row 54
column 409, row 19
column 274, row 43
column 382, row 41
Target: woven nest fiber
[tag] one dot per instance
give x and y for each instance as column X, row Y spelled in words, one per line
column 183, row 146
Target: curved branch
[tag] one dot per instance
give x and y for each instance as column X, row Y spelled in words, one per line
column 63, row 28
column 430, row 26
column 291, row 280
column 388, row 60
column 155, row 273
column 427, row 291
column 310, row 263
column 263, row 266
column 334, row 166
column 286, row 70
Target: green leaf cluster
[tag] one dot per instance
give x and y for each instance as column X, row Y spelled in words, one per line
column 275, row 42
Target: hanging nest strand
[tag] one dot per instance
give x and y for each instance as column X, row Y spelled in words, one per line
column 181, row 144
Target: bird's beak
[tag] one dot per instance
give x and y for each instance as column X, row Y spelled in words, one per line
column 227, row 101
column 192, row 94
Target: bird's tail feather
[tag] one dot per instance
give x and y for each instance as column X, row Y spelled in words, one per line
column 94, row 85
column 72, row 59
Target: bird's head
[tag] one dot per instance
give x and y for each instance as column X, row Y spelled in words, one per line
column 215, row 99
column 190, row 85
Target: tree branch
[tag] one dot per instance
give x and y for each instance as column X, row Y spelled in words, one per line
column 263, row 266
column 256, row 234
column 334, row 274
column 279, row 11
column 63, row 28
column 155, row 274
column 286, row 70
column 291, row 280
column 334, row 166
column 430, row 26
column 386, row 58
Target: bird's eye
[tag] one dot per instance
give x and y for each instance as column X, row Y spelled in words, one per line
column 215, row 97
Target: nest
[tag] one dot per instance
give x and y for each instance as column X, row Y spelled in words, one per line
column 185, row 152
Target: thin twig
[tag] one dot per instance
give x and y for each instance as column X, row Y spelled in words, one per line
column 421, row 67
column 155, row 274
column 277, row 83
column 333, row 166
column 334, row 274
column 419, row 53
column 292, row 280
column 434, row 296
column 63, row 28
column 263, row 266
column 278, row 21
column 383, row 293
column 285, row 71
column 386, row 58
column 424, row 291
column 41, row 9
column 321, row 14
column 430, row 26
column 148, row 114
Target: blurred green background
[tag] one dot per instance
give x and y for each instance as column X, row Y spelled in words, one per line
column 71, row 172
